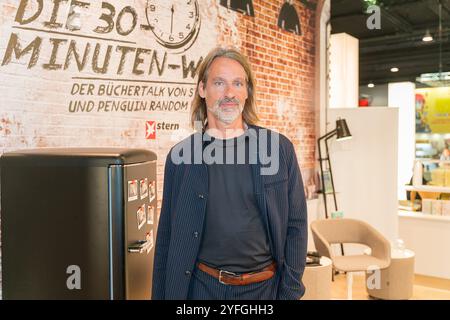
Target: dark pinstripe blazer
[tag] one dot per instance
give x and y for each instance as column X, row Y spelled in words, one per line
column 281, row 201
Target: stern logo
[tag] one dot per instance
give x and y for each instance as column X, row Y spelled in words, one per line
column 152, row 126
column 150, row 130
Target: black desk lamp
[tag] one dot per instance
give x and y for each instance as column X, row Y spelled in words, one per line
column 342, row 133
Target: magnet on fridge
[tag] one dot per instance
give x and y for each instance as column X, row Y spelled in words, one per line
column 143, row 188
column 140, row 216
column 150, row 214
column 132, row 190
column 152, row 191
column 149, row 239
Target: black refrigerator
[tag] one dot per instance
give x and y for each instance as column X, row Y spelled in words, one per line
column 78, row 223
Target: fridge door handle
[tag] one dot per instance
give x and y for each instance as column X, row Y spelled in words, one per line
column 139, row 246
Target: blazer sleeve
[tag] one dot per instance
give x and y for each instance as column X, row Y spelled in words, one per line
column 163, row 234
column 291, row 286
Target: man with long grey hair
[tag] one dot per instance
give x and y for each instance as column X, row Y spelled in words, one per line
column 233, row 221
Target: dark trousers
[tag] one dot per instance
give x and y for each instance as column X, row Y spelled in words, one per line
column 205, row 287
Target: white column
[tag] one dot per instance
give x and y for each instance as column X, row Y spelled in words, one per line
column 402, row 96
column 344, row 71
column 322, row 84
column 365, row 168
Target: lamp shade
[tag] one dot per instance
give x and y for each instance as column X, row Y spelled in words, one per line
column 342, row 131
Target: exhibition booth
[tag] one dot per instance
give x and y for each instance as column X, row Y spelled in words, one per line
column 107, row 87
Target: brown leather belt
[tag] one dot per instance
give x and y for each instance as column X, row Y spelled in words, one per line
column 226, row 277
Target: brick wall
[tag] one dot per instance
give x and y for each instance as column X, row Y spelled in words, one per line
column 41, row 104
column 284, row 67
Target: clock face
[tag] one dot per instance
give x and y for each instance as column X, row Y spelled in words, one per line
column 175, row 24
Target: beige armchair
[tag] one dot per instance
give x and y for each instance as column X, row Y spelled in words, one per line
column 334, row 231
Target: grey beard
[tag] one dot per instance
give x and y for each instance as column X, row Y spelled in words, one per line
column 226, row 117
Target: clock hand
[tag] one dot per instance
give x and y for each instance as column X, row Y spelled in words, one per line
column 171, row 19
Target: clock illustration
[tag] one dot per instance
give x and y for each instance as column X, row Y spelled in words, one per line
column 175, row 24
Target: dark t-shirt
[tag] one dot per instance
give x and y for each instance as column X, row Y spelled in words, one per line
column 234, row 237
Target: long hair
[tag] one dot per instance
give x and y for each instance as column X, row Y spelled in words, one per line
column 198, row 106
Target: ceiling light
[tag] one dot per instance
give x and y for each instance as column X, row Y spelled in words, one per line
column 394, row 69
column 371, row 85
column 437, row 79
column 427, row 37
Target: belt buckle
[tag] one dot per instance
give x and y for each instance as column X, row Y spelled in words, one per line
column 221, row 272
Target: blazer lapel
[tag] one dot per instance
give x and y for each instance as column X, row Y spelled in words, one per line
column 199, row 174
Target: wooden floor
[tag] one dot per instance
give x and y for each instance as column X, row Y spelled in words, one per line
column 425, row 288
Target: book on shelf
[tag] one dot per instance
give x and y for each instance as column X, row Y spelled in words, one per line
column 408, row 206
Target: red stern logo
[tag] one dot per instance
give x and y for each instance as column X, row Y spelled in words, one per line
column 150, row 130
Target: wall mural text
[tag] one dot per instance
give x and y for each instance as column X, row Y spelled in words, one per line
column 62, row 35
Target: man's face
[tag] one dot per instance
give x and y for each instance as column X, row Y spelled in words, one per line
column 225, row 91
